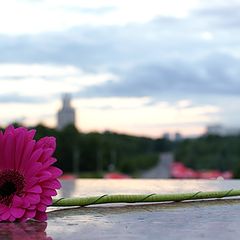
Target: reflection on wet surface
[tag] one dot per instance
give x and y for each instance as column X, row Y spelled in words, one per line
column 24, row 231
column 182, row 220
column 90, row 187
column 192, row 220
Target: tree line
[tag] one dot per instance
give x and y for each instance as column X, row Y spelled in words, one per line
column 97, row 153
column 210, row 152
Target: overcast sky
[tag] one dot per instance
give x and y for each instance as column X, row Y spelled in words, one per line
column 141, row 67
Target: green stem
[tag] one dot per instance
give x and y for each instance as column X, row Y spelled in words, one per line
column 141, row 198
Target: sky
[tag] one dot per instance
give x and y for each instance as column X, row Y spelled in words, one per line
column 138, row 67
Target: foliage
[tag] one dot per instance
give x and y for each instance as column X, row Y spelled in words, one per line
column 95, row 153
column 92, row 154
column 210, row 152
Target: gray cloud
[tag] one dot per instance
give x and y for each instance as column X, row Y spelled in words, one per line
column 163, row 37
column 215, row 75
column 222, row 16
column 18, row 98
column 165, row 58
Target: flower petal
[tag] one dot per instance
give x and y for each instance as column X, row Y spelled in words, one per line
column 41, row 216
column 17, row 212
column 54, row 184
column 33, row 198
column 28, row 165
column 30, row 214
column 56, row 172
column 35, row 189
column 41, row 207
column 5, row 215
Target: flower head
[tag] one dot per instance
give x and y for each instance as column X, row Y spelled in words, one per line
column 27, row 178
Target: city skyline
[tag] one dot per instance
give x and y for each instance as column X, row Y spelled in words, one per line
column 141, row 68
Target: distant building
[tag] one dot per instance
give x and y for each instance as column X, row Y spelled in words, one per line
column 66, row 115
column 220, row 130
column 166, row 136
column 178, row 137
column 215, row 129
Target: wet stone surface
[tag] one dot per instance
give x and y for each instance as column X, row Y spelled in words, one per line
column 183, row 220
column 209, row 220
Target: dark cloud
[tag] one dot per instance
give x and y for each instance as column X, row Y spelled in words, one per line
column 216, row 75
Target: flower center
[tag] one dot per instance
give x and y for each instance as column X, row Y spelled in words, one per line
column 7, row 189
column 11, row 183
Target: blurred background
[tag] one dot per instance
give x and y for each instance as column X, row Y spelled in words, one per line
column 145, row 89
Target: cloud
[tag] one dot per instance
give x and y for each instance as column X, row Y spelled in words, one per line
column 113, row 103
column 171, row 60
column 163, row 39
column 34, row 17
column 221, row 14
column 191, row 54
column 215, row 75
column 17, row 98
column 33, row 83
column 36, row 70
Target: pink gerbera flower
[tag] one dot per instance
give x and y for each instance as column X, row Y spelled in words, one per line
column 27, row 178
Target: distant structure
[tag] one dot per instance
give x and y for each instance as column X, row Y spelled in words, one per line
column 215, row 129
column 66, row 115
column 218, row 129
column 178, row 137
column 166, row 136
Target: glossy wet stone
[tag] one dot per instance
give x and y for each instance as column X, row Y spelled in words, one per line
column 192, row 220
column 204, row 220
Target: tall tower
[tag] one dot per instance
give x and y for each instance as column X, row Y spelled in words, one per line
column 66, row 115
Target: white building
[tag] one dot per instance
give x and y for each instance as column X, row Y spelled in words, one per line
column 66, row 115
